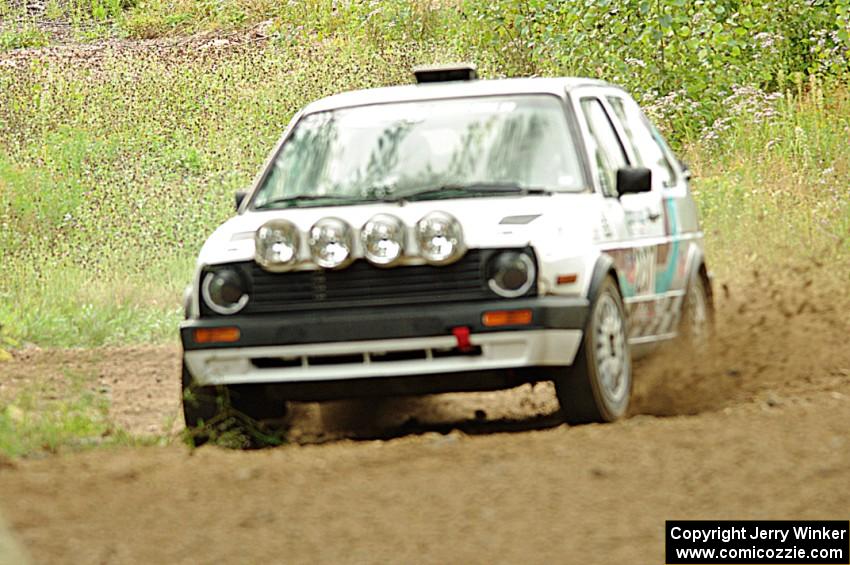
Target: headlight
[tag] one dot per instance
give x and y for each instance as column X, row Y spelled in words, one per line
column 276, row 245
column 383, row 239
column 511, row 274
column 330, row 242
column 224, row 291
column 440, row 238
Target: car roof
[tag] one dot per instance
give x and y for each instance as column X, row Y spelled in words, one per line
column 453, row 89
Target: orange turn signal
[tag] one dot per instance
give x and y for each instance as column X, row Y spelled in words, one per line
column 506, row 318
column 567, row 279
column 216, row 335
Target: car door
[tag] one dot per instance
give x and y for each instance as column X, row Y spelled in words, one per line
column 678, row 229
column 639, row 216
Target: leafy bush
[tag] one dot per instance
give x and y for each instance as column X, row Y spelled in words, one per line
column 690, row 52
column 684, row 56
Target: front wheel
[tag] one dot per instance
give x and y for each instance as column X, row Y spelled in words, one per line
column 598, row 386
column 201, row 404
column 238, row 415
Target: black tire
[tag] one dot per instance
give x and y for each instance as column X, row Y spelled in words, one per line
column 584, row 389
column 238, row 411
column 201, row 404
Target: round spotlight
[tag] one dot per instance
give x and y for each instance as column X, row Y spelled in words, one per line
column 331, row 241
column 440, row 238
column 276, row 245
column 511, row 274
column 224, row 291
column 383, row 239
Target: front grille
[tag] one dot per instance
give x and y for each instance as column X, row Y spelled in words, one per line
column 362, row 285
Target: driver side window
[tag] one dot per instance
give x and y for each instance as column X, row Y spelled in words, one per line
column 605, row 147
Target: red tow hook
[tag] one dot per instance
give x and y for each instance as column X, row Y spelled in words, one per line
column 461, row 334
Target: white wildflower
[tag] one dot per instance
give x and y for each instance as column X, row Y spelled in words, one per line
column 636, row 62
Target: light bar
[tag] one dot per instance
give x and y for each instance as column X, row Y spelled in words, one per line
column 445, row 73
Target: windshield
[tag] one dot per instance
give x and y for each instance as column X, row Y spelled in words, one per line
column 392, row 151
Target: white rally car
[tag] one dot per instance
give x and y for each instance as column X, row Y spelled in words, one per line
column 451, row 235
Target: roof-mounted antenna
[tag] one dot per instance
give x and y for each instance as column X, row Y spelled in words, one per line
column 445, row 73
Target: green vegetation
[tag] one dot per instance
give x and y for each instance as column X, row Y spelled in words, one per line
column 115, row 167
column 773, row 182
column 43, row 418
column 22, row 36
column 232, row 429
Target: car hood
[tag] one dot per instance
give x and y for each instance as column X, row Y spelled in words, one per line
column 486, row 222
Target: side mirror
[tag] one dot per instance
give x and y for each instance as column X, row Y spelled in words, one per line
column 633, row 180
column 240, row 197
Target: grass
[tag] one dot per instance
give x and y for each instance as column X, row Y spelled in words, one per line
column 775, row 187
column 44, row 418
column 65, row 306
column 22, row 36
column 112, row 177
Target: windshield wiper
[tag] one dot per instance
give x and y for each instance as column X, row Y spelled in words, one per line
column 304, row 198
column 472, row 189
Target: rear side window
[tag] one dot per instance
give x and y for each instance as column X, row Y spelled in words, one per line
column 607, row 152
column 643, row 139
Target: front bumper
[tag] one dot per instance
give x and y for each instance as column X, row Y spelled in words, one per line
column 386, row 342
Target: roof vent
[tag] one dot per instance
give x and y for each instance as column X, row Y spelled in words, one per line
column 445, row 73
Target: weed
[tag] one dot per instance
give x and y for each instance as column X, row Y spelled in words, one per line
column 22, row 36
column 777, row 187
column 230, row 427
column 44, row 418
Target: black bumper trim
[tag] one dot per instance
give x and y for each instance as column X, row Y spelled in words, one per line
column 396, row 322
column 404, row 385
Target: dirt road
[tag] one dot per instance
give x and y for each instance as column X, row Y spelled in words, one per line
column 757, row 427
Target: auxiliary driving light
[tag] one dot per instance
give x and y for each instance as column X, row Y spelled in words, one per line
column 331, row 241
column 276, row 245
column 440, row 238
column 383, row 239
